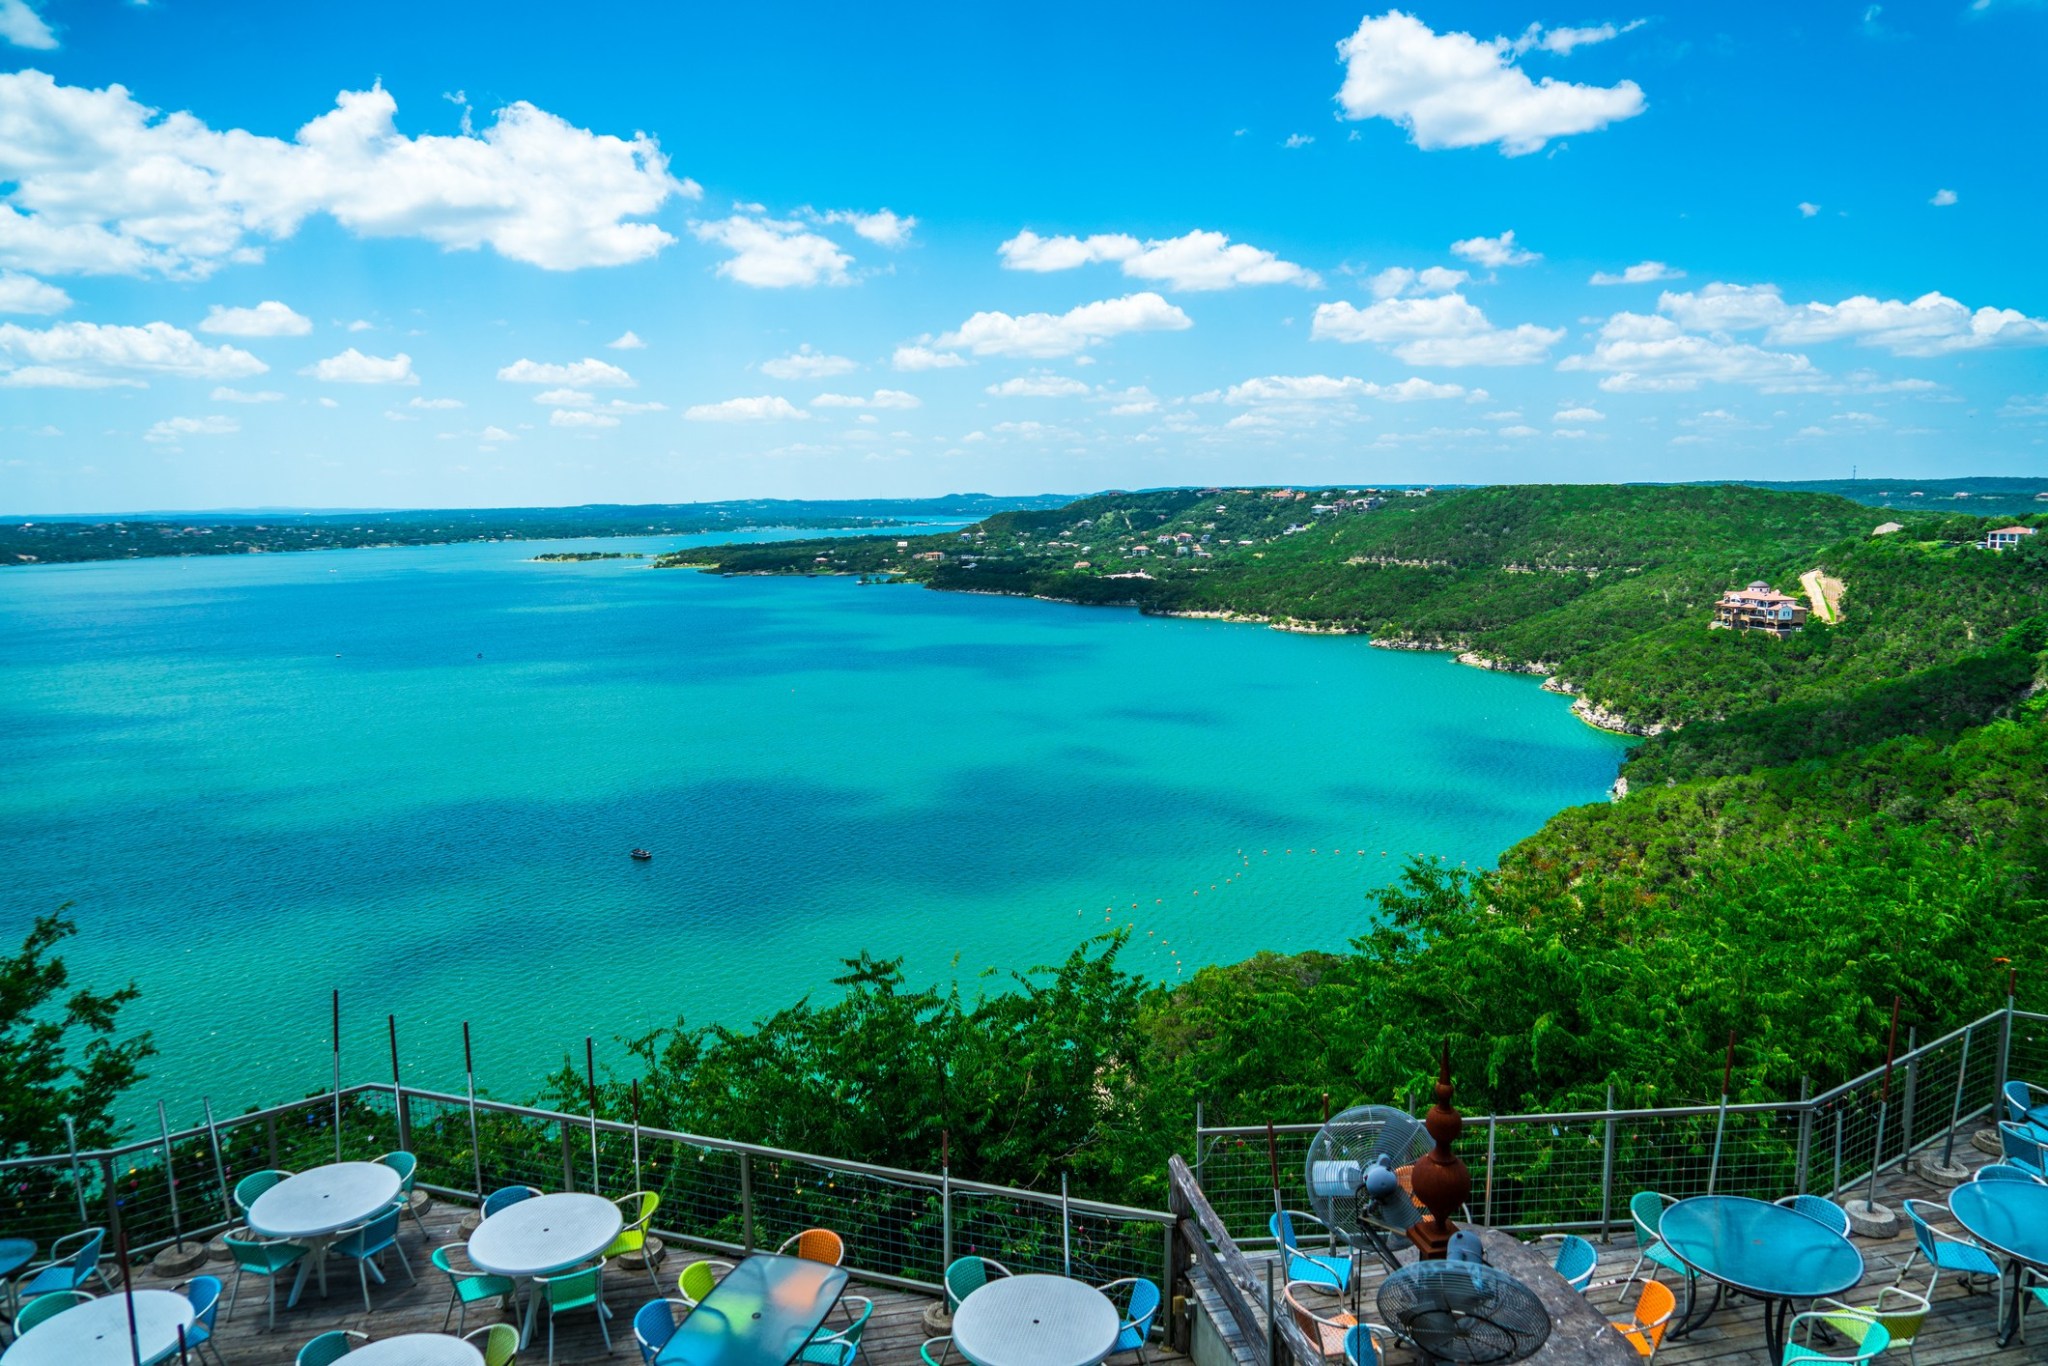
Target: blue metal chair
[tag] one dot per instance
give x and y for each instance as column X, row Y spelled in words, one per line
column 364, row 1242
column 2023, row 1149
column 1330, row 1269
column 1821, row 1210
column 1945, row 1251
column 2005, row 1171
column 1135, row 1328
column 2022, row 1108
column 204, row 1293
column 329, row 1348
column 510, row 1195
column 68, row 1269
column 1358, row 1346
column 654, row 1323
column 407, row 1166
column 265, row 1257
column 1577, row 1259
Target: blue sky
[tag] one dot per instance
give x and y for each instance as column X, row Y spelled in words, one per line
column 382, row 255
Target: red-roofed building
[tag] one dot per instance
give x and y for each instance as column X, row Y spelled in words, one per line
column 1759, row 607
column 2006, row 537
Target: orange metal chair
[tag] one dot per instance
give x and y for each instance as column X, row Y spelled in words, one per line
column 1652, row 1315
column 816, row 1245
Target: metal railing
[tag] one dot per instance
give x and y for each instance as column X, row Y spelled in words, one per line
column 1576, row 1170
column 901, row 1228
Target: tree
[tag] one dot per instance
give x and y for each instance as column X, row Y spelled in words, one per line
column 46, row 1073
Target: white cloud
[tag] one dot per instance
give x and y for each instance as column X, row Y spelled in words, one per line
column 359, row 325
column 1931, row 325
column 1807, row 210
column 434, row 403
column 23, row 27
column 806, row 362
column 766, row 408
column 1455, row 90
column 1040, row 385
column 1519, row 431
column 495, row 434
column 1193, row 261
column 588, row 402
column 563, row 417
column 326, row 402
column 57, row 377
column 589, row 370
column 1644, row 354
column 1063, row 334
column 770, row 253
column 268, row 319
column 881, row 398
column 1395, row 281
column 1444, row 330
column 353, row 367
column 1562, row 41
column 626, row 341
column 224, row 394
column 172, row 428
column 102, row 184
column 1297, row 140
column 1580, row 414
column 157, row 348
column 912, row 357
column 27, row 294
column 1943, row 198
column 1641, row 273
column 1494, row 252
column 883, row 228
column 1317, row 388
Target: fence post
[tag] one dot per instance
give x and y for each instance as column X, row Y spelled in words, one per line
column 171, row 1176
column 1805, row 1135
column 1836, row 1189
column 747, row 1202
column 945, row 1202
column 1200, row 1147
column 1906, row 1104
column 568, row 1157
column 1607, row 1170
column 2004, row 1050
column 1486, row 1205
column 270, row 1139
column 77, row 1179
column 114, row 1229
column 1955, row 1118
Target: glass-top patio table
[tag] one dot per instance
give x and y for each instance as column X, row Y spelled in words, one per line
column 1765, row 1251
column 2011, row 1219
column 761, row 1314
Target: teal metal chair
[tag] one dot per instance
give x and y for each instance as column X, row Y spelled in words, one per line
column 1866, row 1336
column 945, row 1346
column 654, row 1323
column 571, row 1290
column 842, row 1347
column 967, row 1275
column 1944, row 1251
column 365, row 1242
column 253, row 1185
column 1577, row 1259
column 500, row 1343
column 407, row 1166
column 1331, row 1269
column 265, row 1257
column 1140, row 1305
column 44, row 1307
column 2023, row 1148
column 329, row 1348
column 1646, row 1212
column 507, row 1196
column 467, row 1285
column 74, row 1260
column 1821, row 1210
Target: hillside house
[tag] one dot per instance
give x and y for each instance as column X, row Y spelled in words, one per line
column 1759, row 607
column 2006, row 537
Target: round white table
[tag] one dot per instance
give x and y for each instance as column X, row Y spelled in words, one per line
column 1035, row 1321
column 417, row 1349
column 542, row 1234
column 314, row 1205
column 98, row 1331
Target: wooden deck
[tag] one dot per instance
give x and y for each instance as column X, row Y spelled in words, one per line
column 1962, row 1326
column 893, row 1334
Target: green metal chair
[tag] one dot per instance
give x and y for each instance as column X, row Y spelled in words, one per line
column 407, row 1166
column 568, row 1290
column 500, row 1343
column 699, row 1279
column 1866, row 1335
column 265, row 1257
column 467, row 1285
column 253, row 1185
column 1900, row 1312
column 329, row 1348
column 840, row 1348
column 48, row 1307
column 638, row 1212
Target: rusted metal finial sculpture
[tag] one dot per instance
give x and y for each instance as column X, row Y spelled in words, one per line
column 1440, row 1180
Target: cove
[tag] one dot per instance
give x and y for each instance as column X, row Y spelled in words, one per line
column 414, row 775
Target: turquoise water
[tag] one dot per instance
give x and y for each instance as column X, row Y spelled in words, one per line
column 414, row 774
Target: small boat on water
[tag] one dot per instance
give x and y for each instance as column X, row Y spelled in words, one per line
column 642, row 855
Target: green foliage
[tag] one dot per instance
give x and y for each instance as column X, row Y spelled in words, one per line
column 58, row 1054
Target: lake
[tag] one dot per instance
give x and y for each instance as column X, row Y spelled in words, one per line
column 414, row 775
